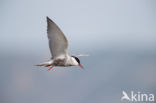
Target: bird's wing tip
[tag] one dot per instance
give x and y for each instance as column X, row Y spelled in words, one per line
column 81, row 55
column 48, row 19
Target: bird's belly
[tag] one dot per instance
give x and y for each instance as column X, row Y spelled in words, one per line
column 61, row 62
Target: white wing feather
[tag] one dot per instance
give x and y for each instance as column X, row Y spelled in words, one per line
column 58, row 43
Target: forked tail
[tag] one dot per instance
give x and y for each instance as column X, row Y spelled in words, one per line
column 46, row 64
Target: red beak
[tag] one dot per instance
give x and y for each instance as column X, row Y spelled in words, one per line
column 80, row 65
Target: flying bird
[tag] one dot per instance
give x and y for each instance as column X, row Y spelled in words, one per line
column 58, row 45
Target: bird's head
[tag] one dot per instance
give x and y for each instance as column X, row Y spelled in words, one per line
column 78, row 61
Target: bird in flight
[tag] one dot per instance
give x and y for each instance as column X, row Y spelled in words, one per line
column 58, row 45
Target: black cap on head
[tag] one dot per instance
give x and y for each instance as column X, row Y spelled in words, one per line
column 77, row 59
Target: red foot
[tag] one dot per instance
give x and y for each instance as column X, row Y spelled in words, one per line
column 50, row 68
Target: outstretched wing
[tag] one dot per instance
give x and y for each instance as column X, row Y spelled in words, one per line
column 58, row 43
column 80, row 55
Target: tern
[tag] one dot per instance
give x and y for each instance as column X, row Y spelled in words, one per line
column 58, row 45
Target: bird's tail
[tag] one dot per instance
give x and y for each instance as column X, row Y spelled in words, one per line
column 41, row 64
column 46, row 64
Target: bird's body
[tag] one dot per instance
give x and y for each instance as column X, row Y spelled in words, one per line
column 58, row 45
column 61, row 61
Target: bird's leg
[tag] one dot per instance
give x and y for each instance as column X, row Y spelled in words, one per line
column 50, row 68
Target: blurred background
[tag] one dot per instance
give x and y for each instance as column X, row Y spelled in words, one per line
column 119, row 36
